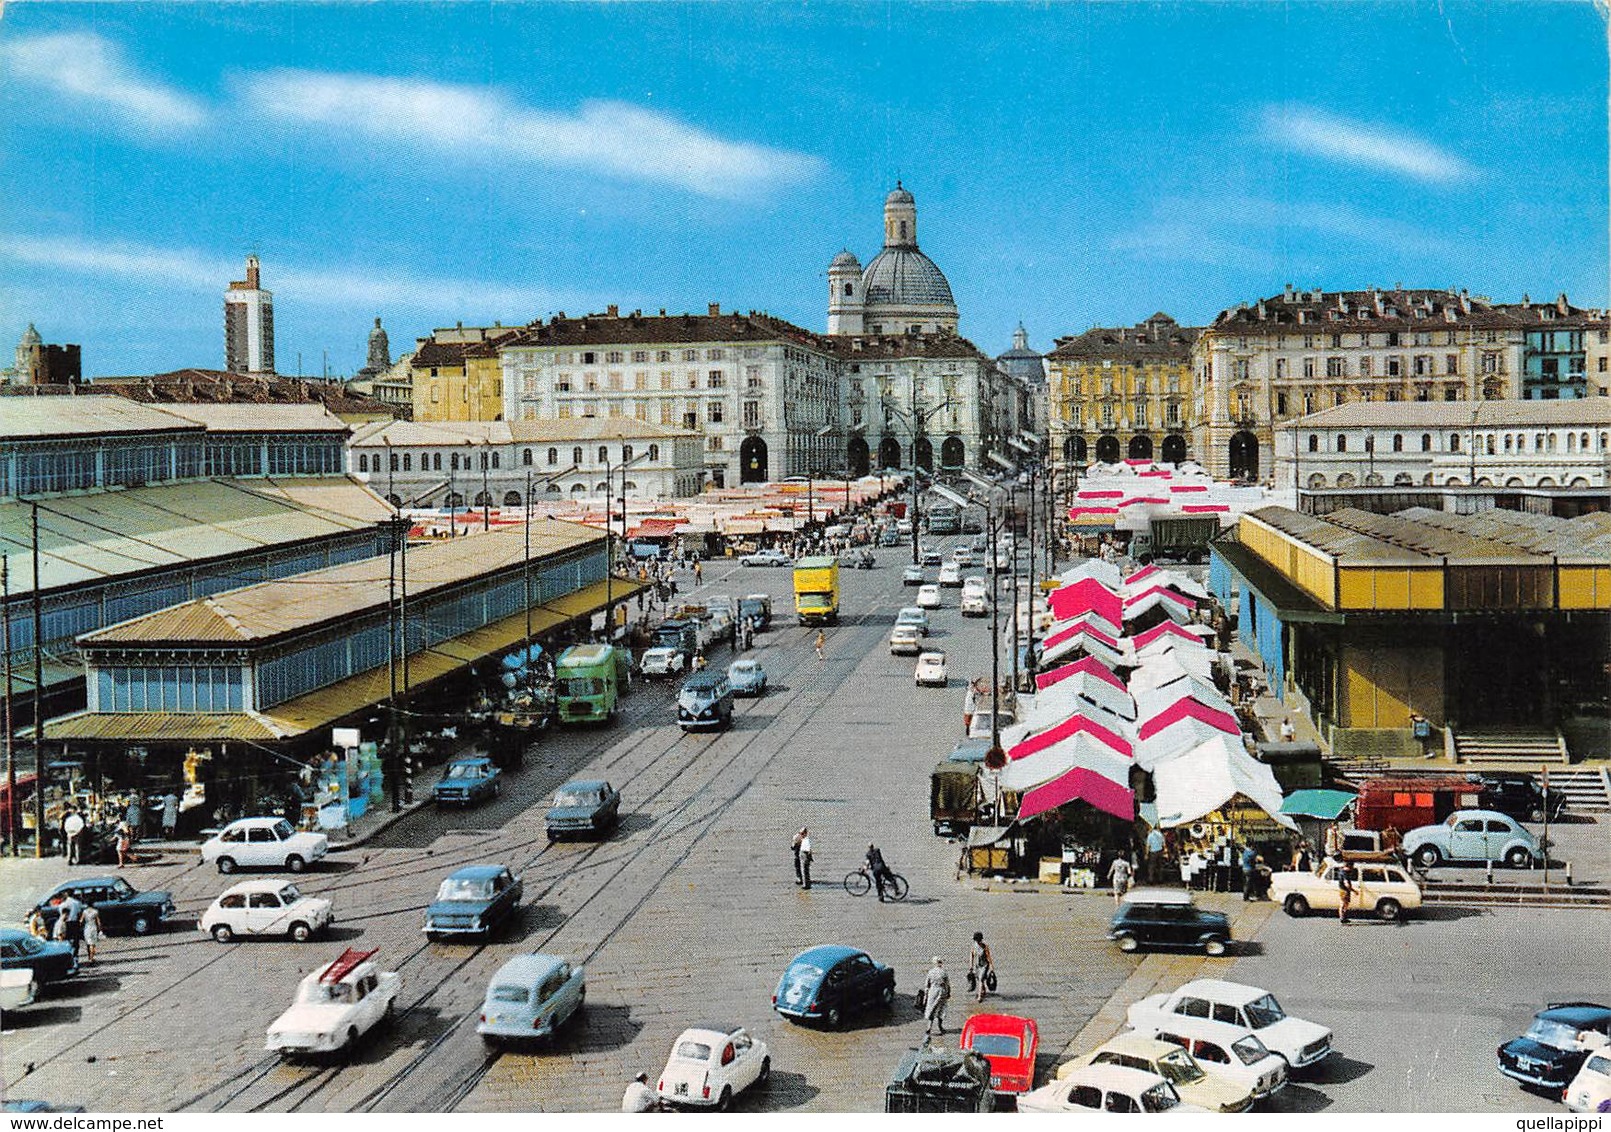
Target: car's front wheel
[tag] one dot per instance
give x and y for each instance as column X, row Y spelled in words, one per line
column 1296, row 906
column 223, row 933
column 1389, row 909
column 1214, row 947
column 295, row 863
column 140, row 925
column 766, row 1071
column 226, row 865
column 301, row 932
column 833, row 1017
column 1129, row 943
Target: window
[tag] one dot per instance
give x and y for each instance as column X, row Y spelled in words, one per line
column 1226, row 1013
column 715, row 355
column 654, row 451
column 1336, row 367
column 752, row 414
column 1398, row 442
column 363, row 463
column 1451, row 364
column 496, row 457
column 576, row 455
column 589, row 357
column 690, row 355
column 640, row 356
column 1423, row 365
column 1454, row 442
column 553, row 457
column 614, row 358
column 626, row 453
column 1395, row 366
column 1308, row 367
column 1490, row 363
column 714, row 379
column 604, row 453
column 713, row 412
column 662, row 355
column 1281, row 403
column 453, row 461
column 1342, row 443
column 408, row 461
column 1365, row 367
column 525, row 457
column 1314, row 443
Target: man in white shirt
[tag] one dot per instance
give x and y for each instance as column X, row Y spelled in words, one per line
column 639, row 1097
column 73, row 830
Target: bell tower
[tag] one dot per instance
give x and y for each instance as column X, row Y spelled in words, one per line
column 846, row 297
column 900, row 219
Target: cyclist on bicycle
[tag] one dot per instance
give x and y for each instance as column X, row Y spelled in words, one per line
column 879, row 871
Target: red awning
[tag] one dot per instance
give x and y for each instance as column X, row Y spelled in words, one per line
column 1073, row 725
column 1087, row 594
column 1083, row 785
column 1086, row 664
column 1165, row 629
column 1189, row 709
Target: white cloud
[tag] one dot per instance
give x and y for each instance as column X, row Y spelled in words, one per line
column 90, row 69
column 1315, row 132
column 176, row 268
column 614, row 138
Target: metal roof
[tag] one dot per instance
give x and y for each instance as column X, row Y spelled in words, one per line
column 1347, row 547
column 40, row 418
column 244, row 417
column 1411, row 415
column 1456, row 546
column 288, row 605
column 104, row 535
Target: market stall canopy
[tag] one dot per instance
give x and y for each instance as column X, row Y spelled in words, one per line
column 1087, row 642
column 1189, row 709
column 1103, row 630
column 1158, row 603
column 1208, row 777
column 1171, row 664
column 1108, row 729
column 1179, row 737
column 1087, row 595
column 1152, row 701
column 1162, row 634
column 1327, row 805
column 1151, row 576
column 1079, row 750
column 1105, row 573
column 1082, row 690
column 1087, row 665
column 1083, row 785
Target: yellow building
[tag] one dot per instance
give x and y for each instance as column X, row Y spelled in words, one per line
column 457, row 376
column 1122, row 393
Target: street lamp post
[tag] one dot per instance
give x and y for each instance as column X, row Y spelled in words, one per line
column 995, row 755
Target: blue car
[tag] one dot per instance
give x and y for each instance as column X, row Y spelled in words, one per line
column 829, row 983
column 1552, row 1050
column 473, row 900
column 746, row 677
column 531, row 996
column 584, row 806
column 468, row 781
column 51, row 961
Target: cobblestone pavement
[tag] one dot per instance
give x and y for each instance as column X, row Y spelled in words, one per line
column 689, row 913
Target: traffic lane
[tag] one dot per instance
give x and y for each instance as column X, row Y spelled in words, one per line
column 1419, row 1008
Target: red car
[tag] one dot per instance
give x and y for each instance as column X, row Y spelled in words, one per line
column 1009, row 1043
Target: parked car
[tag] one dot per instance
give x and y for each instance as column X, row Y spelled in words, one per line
column 335, row 1006
column 1556, row 1045
column 747, row 677
column 1174, row 1064
column 930, row 670
column 661, row 662
column 1591, row 1088
column 951, row 575
column 1009, row 1043
column 905, row 640
column 1473, row 835
column 468, row 781
column 757, row 609
column 531, row 996
column 768, row 557
column 930, row 557
column 962, row 556
column 914, row 576
column 710, row 1065
column 473, row 900
column 979, row 727
column 829, row 983
column 49, row 960
column 1517, row 794
column 1385, row 889
column 705, row 702
column 1106, row 1088
column 583, row 806
column 1166, row 917
column 914, row 616
column 18, row 988
column 263, row 843
column 928, row 597
column 1301, row 1043
column 122, row 907
column 1228, row 1053
column 266, row 907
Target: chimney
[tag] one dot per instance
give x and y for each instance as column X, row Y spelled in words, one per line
column 1561, row 305
column 715, row 310
column 613, row 311
column 1286, row 293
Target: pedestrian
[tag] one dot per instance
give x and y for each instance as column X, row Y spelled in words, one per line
column 981, row 966
column 170, row 815
column 125, row 844
column 1345, row 890
column 936, row 993
column 1119, row 873
column 37, row 926
column 1155, row 854
column 73, row 834
column 699, row 573
column 1288, row 732
column 90, row 919
column 794, row 847
column 638, row 1096
column 822, row 643
column 1249, row 876
column 133, row 817
column 70, row 924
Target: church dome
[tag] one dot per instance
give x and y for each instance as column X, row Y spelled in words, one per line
column 846, row 258
column 904, row 276
column 898, row 195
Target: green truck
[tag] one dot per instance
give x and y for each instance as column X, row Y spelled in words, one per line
column 816, row 590
column 589, row 681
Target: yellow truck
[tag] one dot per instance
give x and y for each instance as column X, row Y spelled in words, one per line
column 816, row 590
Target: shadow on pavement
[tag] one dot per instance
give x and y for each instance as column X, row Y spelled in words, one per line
column 1337, row 1070
column 1437, row 913
column 635, row 822
column 86, row 984
column 781, row 1091
column 1296, row 1098
column 43, row 1014
column 597, row 1026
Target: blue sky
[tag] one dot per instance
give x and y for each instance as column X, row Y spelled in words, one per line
column 1073, row 165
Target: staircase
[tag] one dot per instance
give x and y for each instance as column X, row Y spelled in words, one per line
column 1519, row 749
column 1587, row 789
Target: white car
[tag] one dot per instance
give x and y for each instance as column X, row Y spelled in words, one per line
column 930, row 670
column 1384, row 889
column 1591, row 1088
column 709, row 1066
column 335, row 1006
column 951, row 575
column 266, row 907
column 17, row 987
column 974, row 605
column 765, row 558
column 661, row 662
column 1226, row 1052
column 962, row 556
column 905, row 640
column 263, row 843
column 1106, row 1088
column 979, row 726
column 915, row 617
column 1301, row 1043
column 928, row 597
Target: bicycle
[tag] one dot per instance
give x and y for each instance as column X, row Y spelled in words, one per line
column 859, row 883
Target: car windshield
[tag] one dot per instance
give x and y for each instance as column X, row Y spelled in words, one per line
column 813, row 597
column 1264, row 1012
column 580, row 686
column 1178, row 1067
column 693, row 1051
column 466, row 770
column 571, row 798
column 996, row 1045
column 742, row 668
column 282, row 829
column 1547, row 1032
column 508, row 992
column 1250, row 1050
column 1160, row 1098
column 1600, row 1065
column 327, row 992
column 121, row 890
column 289, row 894
column 464, row 888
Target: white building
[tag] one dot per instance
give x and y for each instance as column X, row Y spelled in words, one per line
column 249, row 324
column 495, row 463
column 1518, row 444
column 763, row 394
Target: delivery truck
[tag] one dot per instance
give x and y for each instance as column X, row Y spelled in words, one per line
column 816, row 590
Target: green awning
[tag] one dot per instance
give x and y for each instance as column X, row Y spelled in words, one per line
column 1325, row 804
